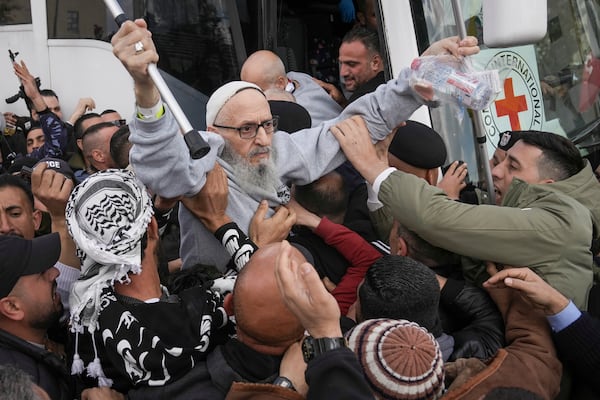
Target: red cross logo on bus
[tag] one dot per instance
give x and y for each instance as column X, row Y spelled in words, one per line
column 511, row 105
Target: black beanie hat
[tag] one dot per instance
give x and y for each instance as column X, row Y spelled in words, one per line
column 418, row 145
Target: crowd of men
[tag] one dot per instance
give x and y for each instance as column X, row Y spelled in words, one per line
column 327, row 260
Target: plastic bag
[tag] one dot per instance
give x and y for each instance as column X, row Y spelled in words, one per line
column 455, row 81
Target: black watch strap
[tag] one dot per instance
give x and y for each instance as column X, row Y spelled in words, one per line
column 284, row 382
column 312, row 348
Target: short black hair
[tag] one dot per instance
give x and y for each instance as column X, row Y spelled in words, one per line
column 368, row 37
column 8, row 180
column 48, row 93
column 119, row 147
column 108, row 111
column 399, row 287
column 77, row 129
column 560, row 157
column 423, row 251
column 326, row 197
column 96, row 128
column 34, row 125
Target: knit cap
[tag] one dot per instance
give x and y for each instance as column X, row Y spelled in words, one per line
column 400, row 359
column 222, row 95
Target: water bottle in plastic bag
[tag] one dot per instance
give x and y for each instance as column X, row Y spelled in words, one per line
column 468, row 89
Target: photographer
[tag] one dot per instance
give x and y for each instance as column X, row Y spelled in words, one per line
column 55, row 137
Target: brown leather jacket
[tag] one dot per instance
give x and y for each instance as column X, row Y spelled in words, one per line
column 529, row 361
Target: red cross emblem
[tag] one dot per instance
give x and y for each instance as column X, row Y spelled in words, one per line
column 511, row 105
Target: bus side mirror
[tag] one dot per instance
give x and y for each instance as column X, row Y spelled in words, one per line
column 510, row 23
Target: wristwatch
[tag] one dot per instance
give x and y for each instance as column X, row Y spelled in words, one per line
column 284, row 382
column 312, row 347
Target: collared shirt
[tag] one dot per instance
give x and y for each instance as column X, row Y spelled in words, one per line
column 564, row 318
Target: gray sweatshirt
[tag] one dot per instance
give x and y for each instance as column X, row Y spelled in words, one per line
column 310, row 95
column 161, row 160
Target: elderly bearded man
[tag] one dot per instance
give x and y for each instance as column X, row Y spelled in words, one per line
column 259, row 161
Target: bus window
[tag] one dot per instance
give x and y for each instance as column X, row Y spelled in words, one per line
column 195, row 39
column 552, row 85
column 15, row 12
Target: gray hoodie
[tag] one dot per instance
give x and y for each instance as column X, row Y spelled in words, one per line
column 161, row 160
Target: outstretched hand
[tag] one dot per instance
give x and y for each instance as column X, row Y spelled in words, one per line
column 454, row 180
column 210, row 204
column 531, row 285
column 136, row 60
column 335, row 93
column 354, row 139
column 29, row 85
column 52, row 188
column 305, row 296
column 453, row 45
column 303, row 216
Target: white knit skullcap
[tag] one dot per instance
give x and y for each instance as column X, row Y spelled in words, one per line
column 222, row 96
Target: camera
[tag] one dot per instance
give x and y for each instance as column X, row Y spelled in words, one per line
column 25, row 173
column 460, row 162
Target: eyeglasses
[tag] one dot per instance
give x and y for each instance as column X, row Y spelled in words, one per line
column 119, row 122
column 249, row 131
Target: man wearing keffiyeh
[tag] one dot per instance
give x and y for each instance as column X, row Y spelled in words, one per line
column 130, row 334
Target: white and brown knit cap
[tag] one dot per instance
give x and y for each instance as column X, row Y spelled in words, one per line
column 400, row 359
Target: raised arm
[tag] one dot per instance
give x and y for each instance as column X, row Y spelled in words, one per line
column 483, row 232
column 159, row 154
column 55, row 132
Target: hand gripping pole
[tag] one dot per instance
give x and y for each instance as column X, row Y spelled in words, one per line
column 197, row 145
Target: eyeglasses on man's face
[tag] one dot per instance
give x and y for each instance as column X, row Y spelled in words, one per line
column 249, row 131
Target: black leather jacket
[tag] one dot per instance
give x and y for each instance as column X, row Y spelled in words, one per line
column 46, row 369
column 470, row 316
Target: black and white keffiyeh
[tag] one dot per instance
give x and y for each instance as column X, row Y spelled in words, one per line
column 107, row 216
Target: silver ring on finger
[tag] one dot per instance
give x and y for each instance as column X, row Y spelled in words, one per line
column 139, row 47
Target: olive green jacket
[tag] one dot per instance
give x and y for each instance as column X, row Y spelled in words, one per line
column 547, row 227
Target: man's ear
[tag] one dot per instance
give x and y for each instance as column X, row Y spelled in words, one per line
column 37, row 219
column 97, row 155
column 10, row 308
column 228, row 303
column 377, row 62
column 281, row 82
column 402, row 247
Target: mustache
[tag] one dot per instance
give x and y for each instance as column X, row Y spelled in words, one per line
column 259, row 150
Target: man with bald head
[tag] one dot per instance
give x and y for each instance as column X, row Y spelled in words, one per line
column 264, row 323
column 265, row 69
column 265, row 326
column 259, row 161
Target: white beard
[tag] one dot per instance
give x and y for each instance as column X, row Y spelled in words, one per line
column 250, row 177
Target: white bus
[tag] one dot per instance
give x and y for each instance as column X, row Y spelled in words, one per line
column 551, row 85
